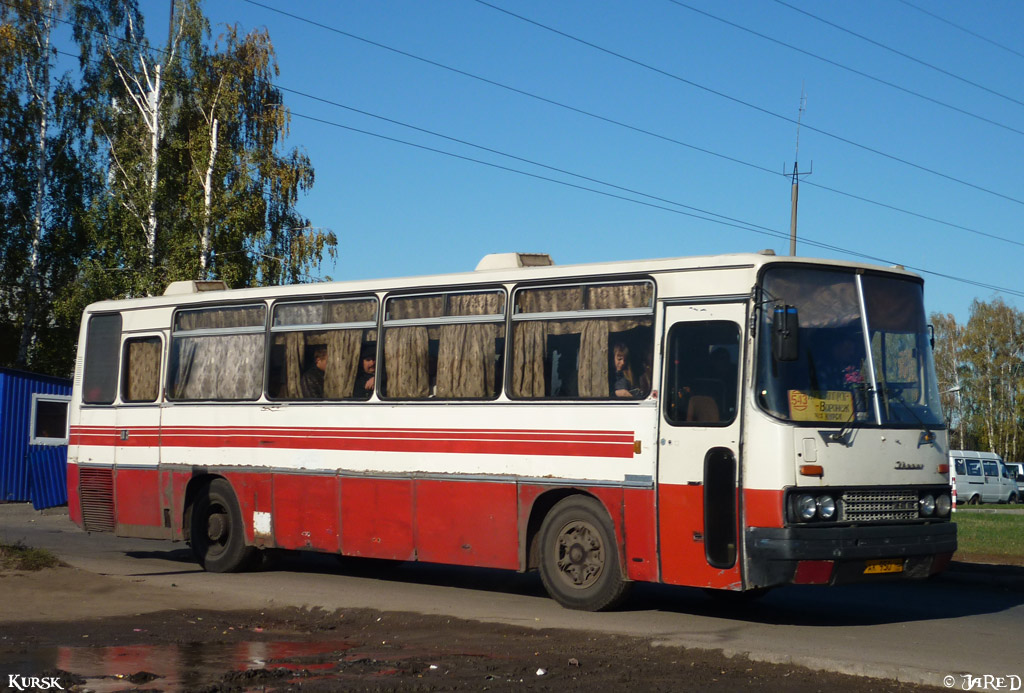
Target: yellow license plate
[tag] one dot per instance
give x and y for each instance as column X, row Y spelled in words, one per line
column 877, row 567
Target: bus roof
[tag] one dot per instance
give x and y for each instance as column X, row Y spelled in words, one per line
column 179, row 295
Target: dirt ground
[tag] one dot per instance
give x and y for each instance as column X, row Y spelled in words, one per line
column 353, row 650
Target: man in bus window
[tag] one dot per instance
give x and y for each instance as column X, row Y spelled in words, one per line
column 313, row 379
column 367, row 375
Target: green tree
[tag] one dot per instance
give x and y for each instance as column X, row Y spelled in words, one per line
column 41, row 187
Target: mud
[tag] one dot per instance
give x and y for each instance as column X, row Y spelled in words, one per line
column 363, row 650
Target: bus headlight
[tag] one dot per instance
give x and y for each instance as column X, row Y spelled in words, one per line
column 806, row 507
column 826, row 507
column 927, row 505
column 943, row 504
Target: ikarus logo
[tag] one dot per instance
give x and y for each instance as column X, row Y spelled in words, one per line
column 900, row 464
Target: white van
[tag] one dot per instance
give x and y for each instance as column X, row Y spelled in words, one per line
column 1016, row 470
column 980, row 477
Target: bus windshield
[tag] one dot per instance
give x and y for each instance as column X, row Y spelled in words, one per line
column 858, row 350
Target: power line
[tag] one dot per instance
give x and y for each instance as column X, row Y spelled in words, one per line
column 963, row 29
column 696, row 212
column 713, row 218
column 855, row 71
column 901, row 53
column 566, row 107
column 612, row 121
column 755, row 107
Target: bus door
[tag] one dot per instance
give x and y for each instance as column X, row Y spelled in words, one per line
column 699, row 452
column 138, row 445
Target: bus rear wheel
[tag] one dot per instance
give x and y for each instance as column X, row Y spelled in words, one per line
column 217, row 533
column 579, row 559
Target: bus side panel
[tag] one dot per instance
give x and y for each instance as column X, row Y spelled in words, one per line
column 683, row 561
column 137, row 494
column 376, row 518
column 254, row 492
column 172, row 489
column 641, row 535
column 74, row 499
column 306, row 512
column 763, row 507
column 467, row 523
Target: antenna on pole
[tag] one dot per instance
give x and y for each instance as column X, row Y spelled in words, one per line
column 796, row 173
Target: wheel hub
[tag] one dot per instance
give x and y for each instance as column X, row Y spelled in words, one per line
column 580, row 555
column 216, row 526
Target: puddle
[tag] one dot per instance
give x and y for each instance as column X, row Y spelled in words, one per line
column 186, row 666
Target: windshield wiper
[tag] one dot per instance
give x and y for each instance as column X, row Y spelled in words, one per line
column 895, row 395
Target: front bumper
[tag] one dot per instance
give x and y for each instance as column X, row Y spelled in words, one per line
column 774, row 555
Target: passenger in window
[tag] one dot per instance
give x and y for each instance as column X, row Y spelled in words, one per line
column 312, row 383
column 367, row 375
column 624, row 383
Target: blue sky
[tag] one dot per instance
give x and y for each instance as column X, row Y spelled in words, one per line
column 404, row 210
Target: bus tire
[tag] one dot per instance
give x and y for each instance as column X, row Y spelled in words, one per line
column 217, row 532
column 579, row 558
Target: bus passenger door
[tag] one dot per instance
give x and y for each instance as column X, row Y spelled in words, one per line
column 699, row 452
column 137, row 486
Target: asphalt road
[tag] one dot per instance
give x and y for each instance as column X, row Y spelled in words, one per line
column 966, row 622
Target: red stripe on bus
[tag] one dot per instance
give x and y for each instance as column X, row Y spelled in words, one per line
column 461, row 441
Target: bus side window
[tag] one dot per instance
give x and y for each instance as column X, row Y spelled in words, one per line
column 961, row 468
column 103, row 341
column 444, row 346
column 562, row 350
column 140, row 372
column 701, row 373
column 340, row 331
column 973, row 468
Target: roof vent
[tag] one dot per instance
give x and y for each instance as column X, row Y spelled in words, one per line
column 496, row 261
column 766, row 251
column 194, row 287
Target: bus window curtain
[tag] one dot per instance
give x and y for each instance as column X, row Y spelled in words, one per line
column 407, row 362
column 294, row 349
column 466, row 361
column 530, row 341
column 593, row 366
column 342, row 361
column 143, row 370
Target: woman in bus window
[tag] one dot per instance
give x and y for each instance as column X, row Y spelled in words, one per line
column 623, row 379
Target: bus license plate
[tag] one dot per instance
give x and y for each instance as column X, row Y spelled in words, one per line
column 877, row 567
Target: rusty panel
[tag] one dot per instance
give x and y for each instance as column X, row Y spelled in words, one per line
column 376, row 518
column 306, row 512
column 641, row 535
column 681, row 518
column 467, row 523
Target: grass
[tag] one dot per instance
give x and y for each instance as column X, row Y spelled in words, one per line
column 990, row 537
column 17, row 556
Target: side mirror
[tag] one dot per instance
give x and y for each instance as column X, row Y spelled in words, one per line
column 931, row 336
column 785, row 333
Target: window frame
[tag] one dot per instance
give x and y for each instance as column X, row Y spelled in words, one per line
column 500, row 318
column 124, row 363
column 38, row 397
column 175, row 333
column 273, row 329
column 514, row 316
column 89, row 366
column 666, row 380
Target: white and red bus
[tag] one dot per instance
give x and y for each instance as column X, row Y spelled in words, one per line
column 733, row 422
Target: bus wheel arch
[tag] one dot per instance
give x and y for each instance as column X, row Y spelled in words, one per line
column 215, row 527
column 579, row 556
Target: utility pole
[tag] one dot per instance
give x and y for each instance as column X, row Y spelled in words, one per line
column 796, row 174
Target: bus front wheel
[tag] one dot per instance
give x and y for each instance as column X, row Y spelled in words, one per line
column 579, row 561
column 217, row 533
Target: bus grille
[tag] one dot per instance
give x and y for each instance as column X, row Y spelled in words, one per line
column 867, row 506
column 96, row 489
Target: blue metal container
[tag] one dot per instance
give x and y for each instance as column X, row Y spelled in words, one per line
column 33, row 438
